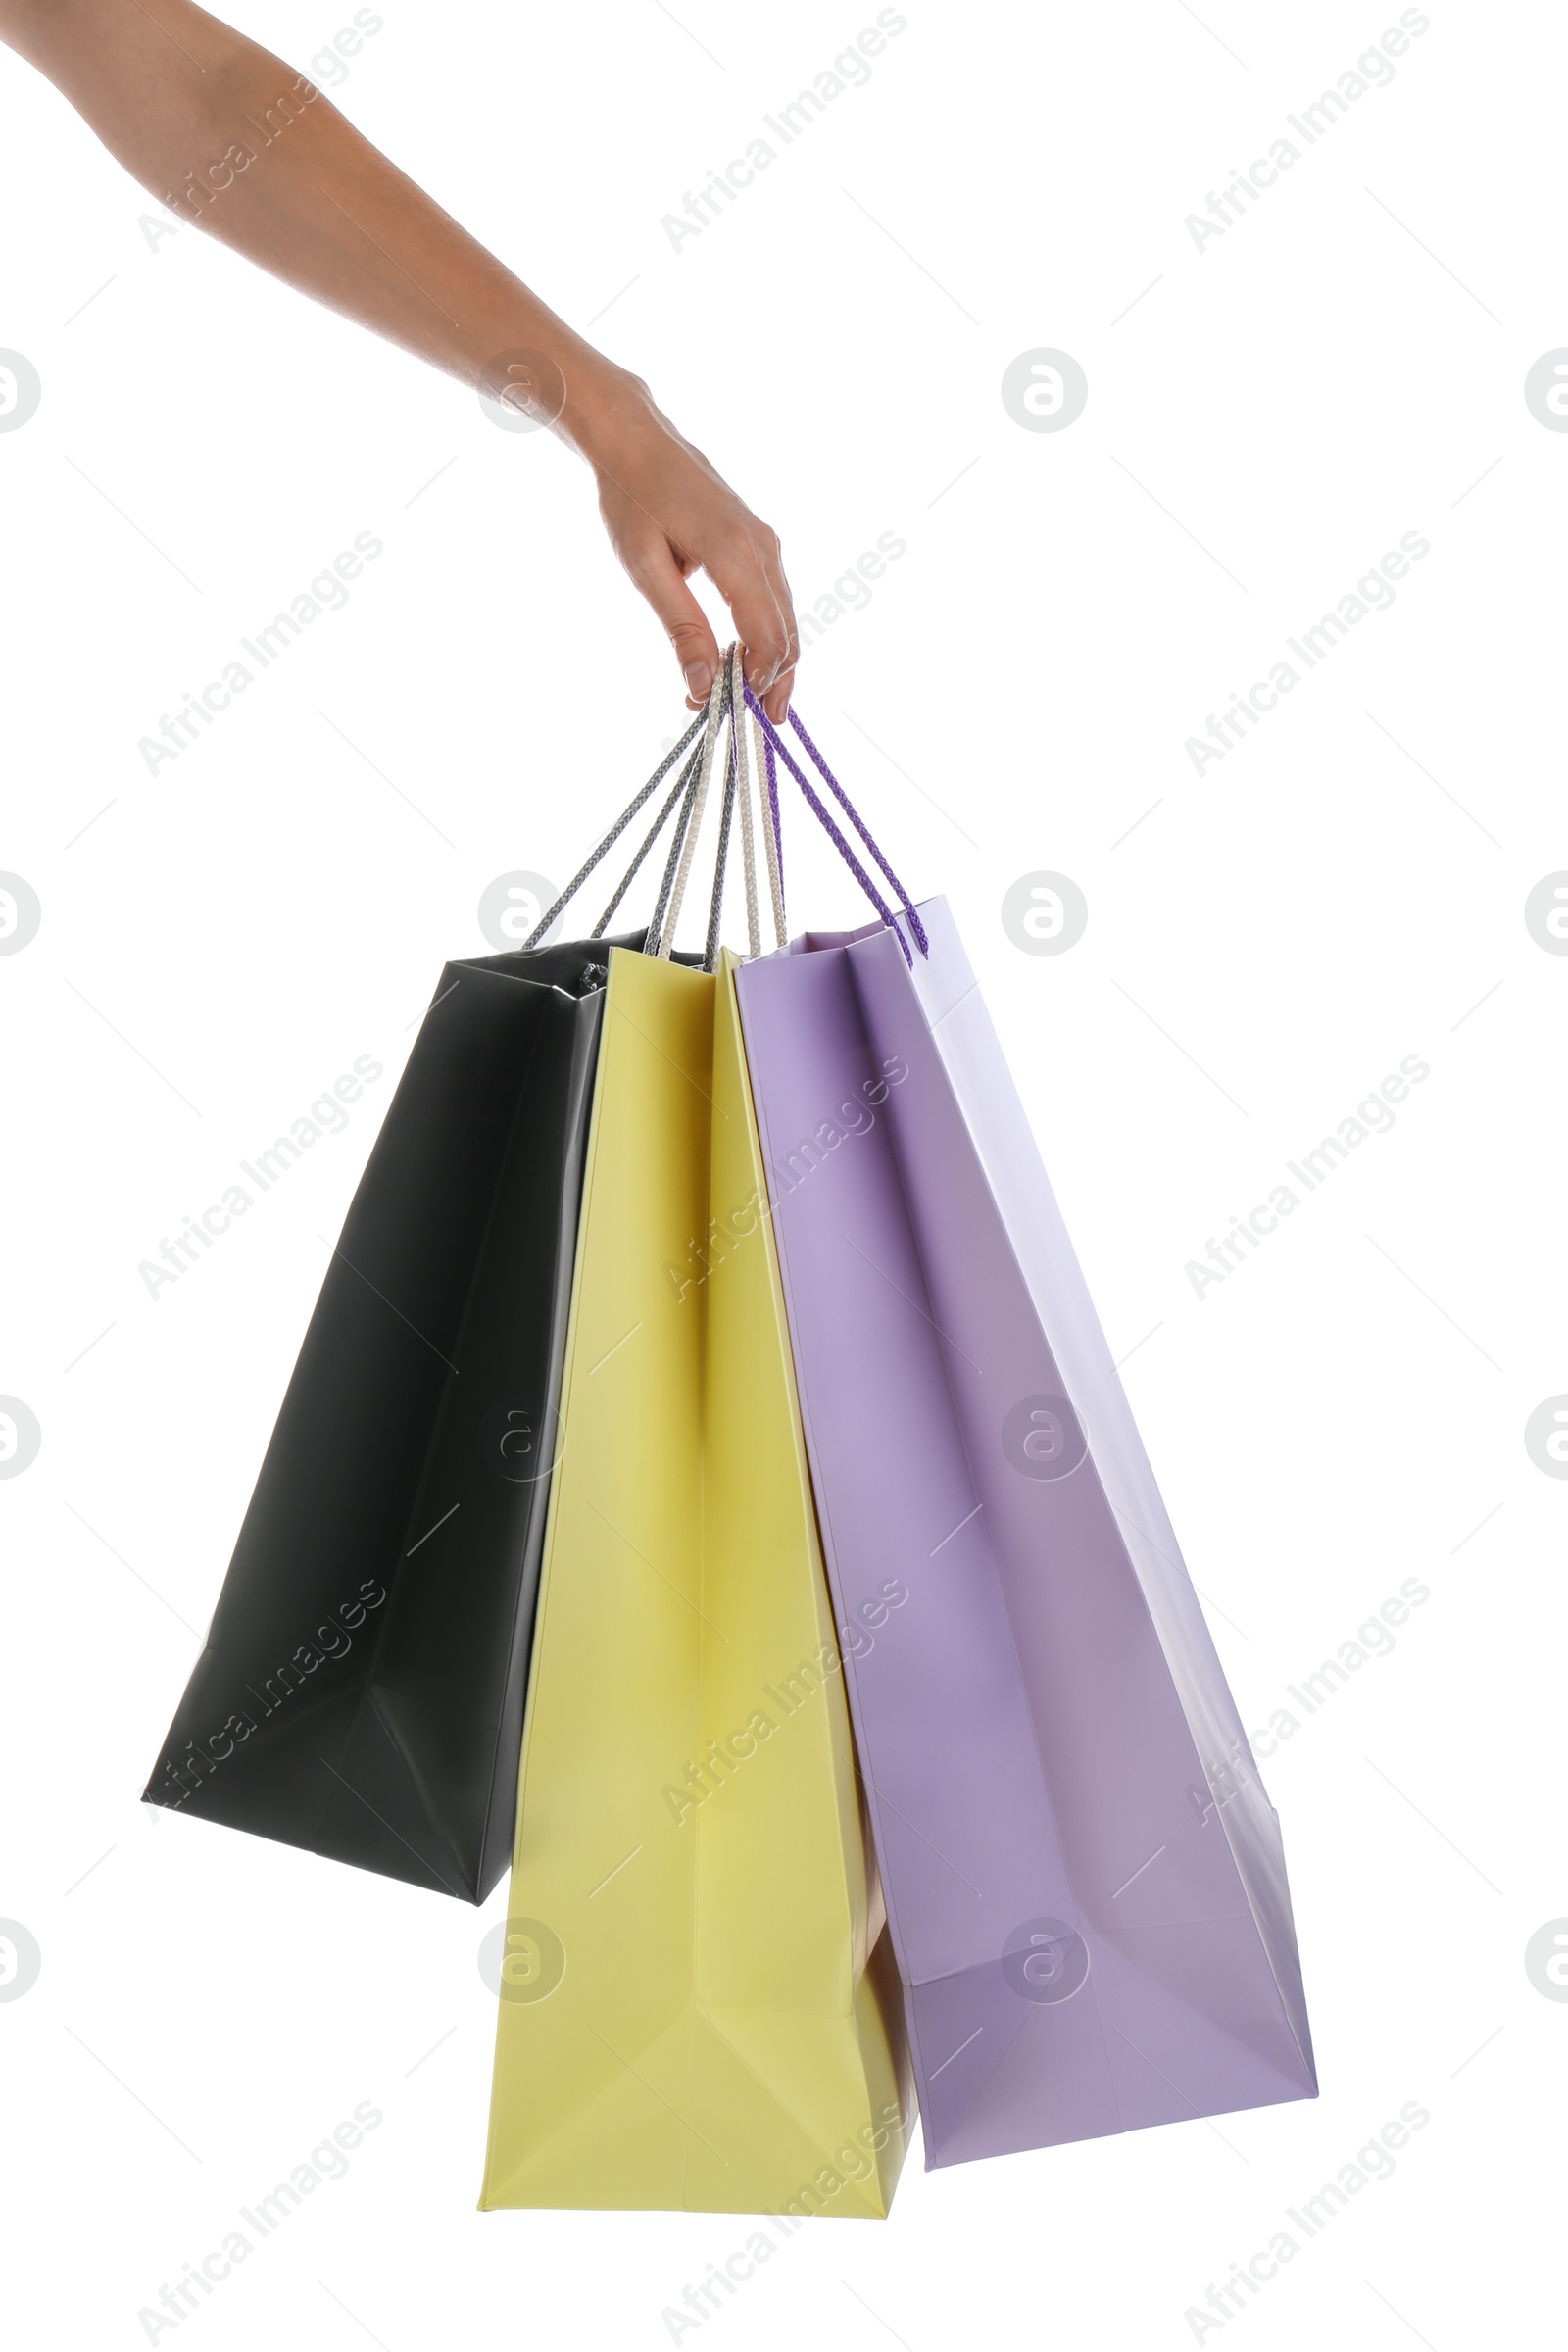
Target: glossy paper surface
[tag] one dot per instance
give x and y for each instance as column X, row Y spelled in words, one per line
column 688, row 2016
column 361, row 1689
column 1084, row 1877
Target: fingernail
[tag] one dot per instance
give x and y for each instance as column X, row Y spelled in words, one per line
column 699, row 679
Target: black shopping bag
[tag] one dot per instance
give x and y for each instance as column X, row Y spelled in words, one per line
column 360, row 1691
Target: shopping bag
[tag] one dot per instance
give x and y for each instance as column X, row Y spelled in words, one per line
column 361, row 1690
column 698, row 2008
column 1084, row 1877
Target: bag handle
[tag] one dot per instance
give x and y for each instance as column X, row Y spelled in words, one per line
column 690, row 790
column 682, row 785
column 750, row 735
column 731, row 700
column 776, row 744
column 863, row 830
column 773, row 834
column 662, row 941
column 682, row 823
column 727, row 819
column 739, row 730
column 611, row 837
column 737, row 797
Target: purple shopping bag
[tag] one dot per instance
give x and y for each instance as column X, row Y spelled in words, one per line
column 1084, row 1877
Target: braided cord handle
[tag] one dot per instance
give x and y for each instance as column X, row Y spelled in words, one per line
column 730, row 700
column 863, row 830
column 767, row 790
column 725, row 821
column 778, row 746
column 681, row 785
column 740, row 729
column 609, row 840
column 711, row 723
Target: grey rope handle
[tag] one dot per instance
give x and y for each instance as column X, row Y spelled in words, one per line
column 726, row 820
column 682, row 825
column 613, row 835
column 743, row 794
column 682, row 782
column 711, row 719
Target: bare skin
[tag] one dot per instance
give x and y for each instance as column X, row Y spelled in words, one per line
column 228, row 135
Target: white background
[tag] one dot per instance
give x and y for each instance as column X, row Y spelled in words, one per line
column 1344, row 365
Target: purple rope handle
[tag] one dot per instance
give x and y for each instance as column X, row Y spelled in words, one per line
column 854, row 814
column 772, row 742
column 775, row 741
column 772, row 808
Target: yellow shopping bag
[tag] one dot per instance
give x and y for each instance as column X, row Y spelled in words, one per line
column 698, row 2004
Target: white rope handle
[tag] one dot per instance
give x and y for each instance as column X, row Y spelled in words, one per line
column 775, row 880
column 715, row 706
column 743, row 793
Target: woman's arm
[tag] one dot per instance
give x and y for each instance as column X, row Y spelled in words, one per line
column 228, row 135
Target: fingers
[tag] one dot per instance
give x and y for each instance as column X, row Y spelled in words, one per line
column 741, row 557
column 776, row 701
column 743, row 562
column 762, row 553
column 656, row 576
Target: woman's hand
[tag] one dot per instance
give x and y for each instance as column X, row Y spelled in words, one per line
column 669, row 514
column 236, row 141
